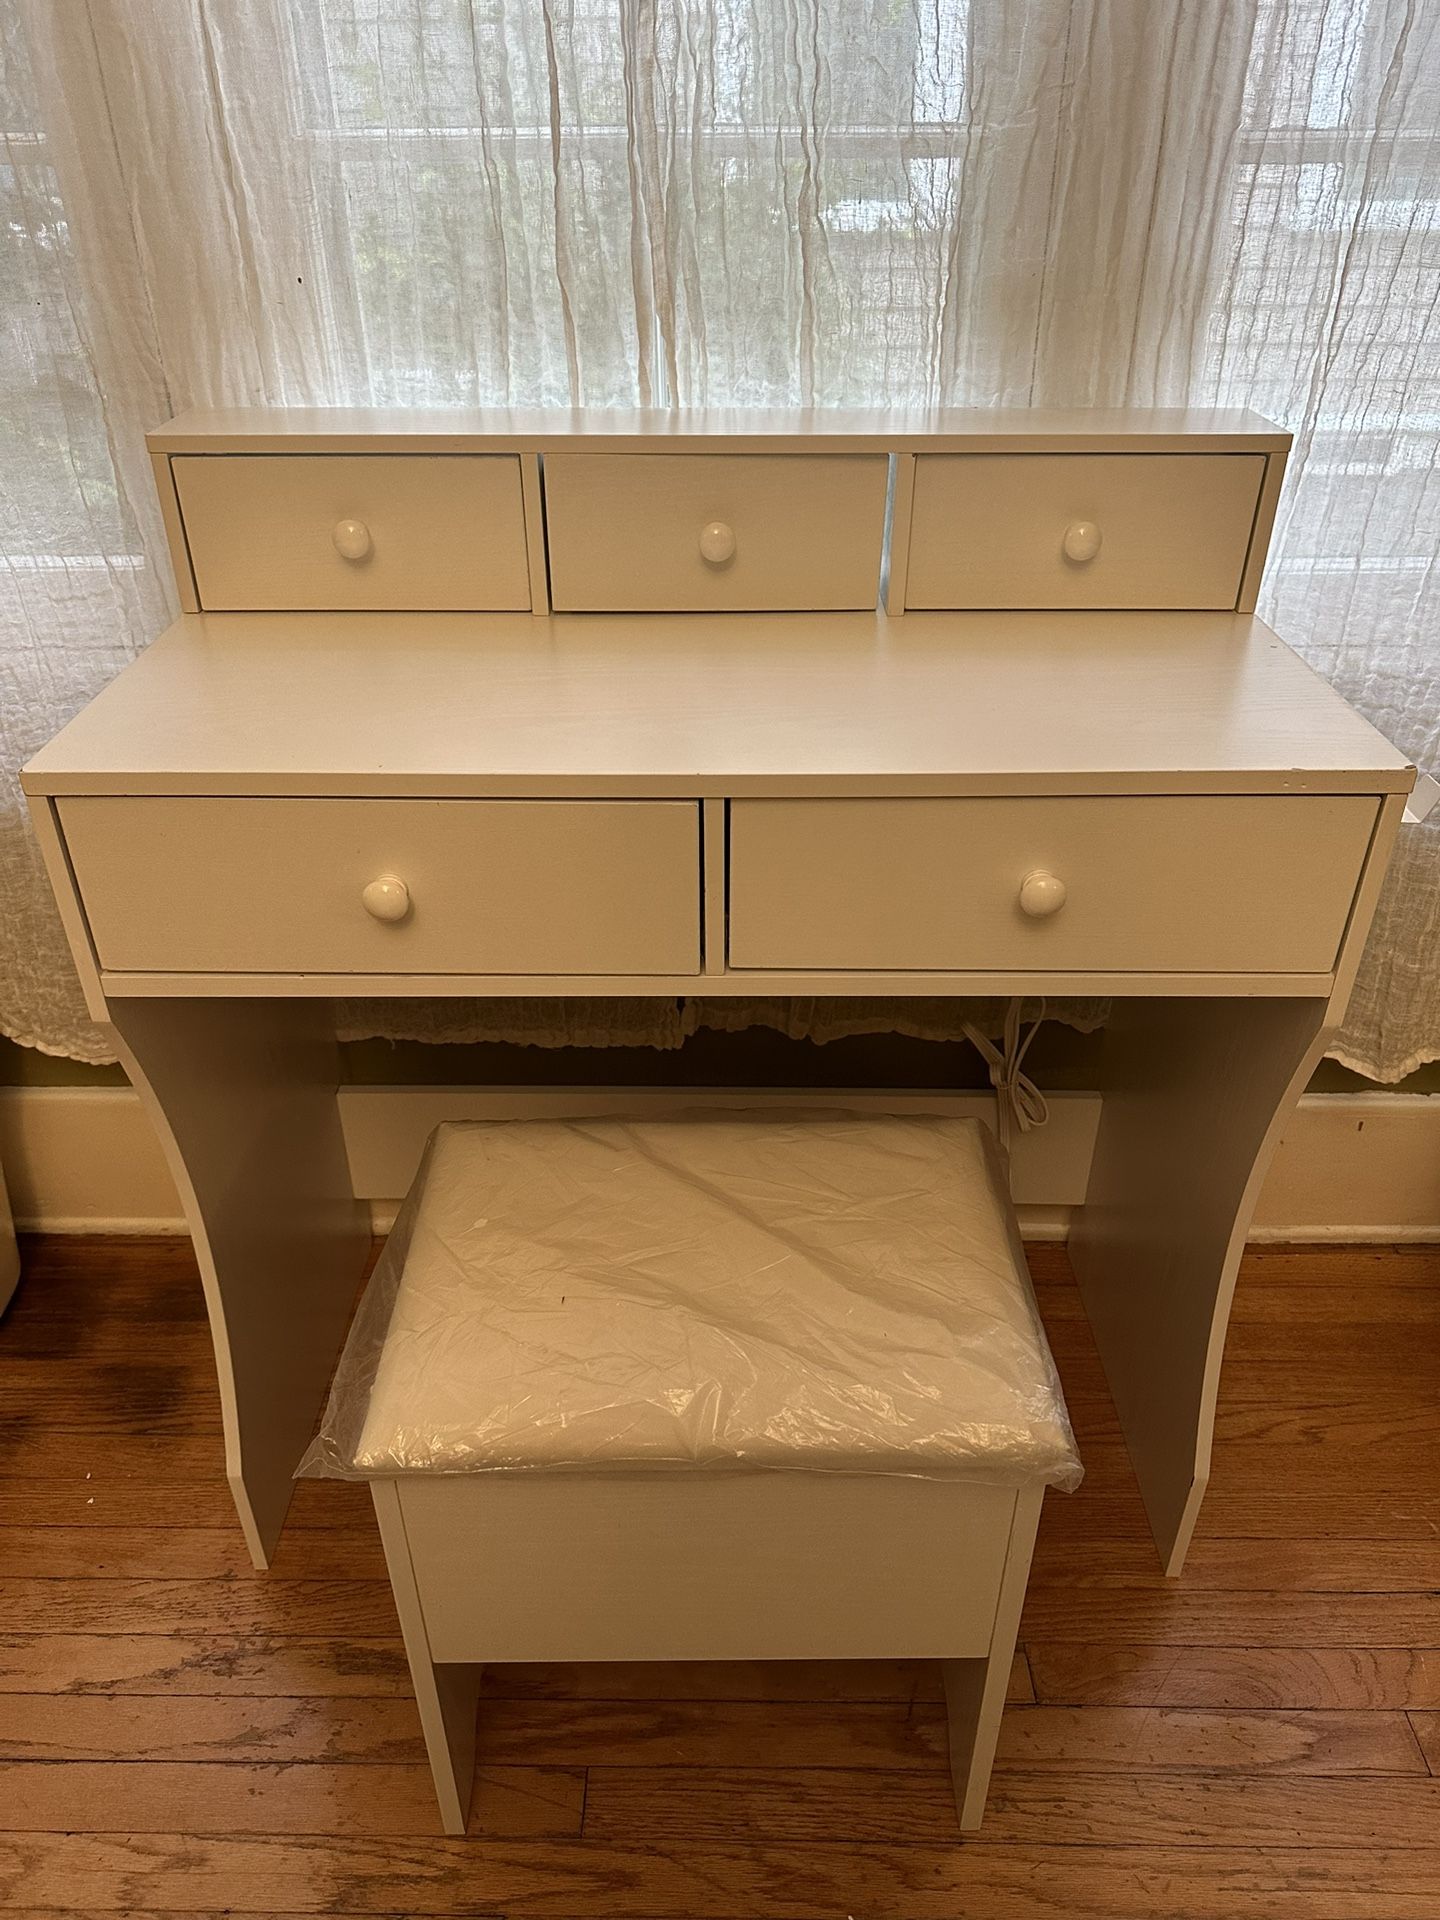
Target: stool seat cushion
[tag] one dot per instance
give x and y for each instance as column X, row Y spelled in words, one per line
column 739, row 1289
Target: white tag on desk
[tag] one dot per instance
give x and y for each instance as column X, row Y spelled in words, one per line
column 1422, row 800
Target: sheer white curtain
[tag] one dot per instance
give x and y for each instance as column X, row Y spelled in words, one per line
column 972, row 201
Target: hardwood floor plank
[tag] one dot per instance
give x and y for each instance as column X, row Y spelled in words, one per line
column 721, row 1733
column 77, row 1337
column 1136, row 1740
column 1320, row 1464
column 102, row 1501
column 114, row 1395
column 1358, row 1269
column 1399, row 1431
column 195, row 1874
column 1235, row 1677
column 1337, row 1351
column 1272, row 1514
column 1297, row 1566
column 791, row 1806
column 856, row 1681
column 1335, row 1354
column 706, row 1806
column 148, row 1404
column 1316, row 1435
column 32, row 1448
column 1200, row 1618
column 99, row 1272
column 894, row 1681
column 316, row 1797
column 1265, row 1303
column 311, row 1609
column 731, row 1733
column 208, row 1665
column 191, row 1553
column 255, row 1665
column 140, row 1727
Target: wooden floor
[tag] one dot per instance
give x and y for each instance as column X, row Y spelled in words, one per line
column 181, row 1736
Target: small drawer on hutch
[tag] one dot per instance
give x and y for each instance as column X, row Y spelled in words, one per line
column 388, row 886
column 1146, row 530
column 1152, row 884
column 721, row 533
column 354, row 532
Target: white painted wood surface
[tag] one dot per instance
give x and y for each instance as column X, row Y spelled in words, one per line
column 1197, row 1093
column 242, row 1094
column 174, row 533
column 1367, row 894
column 1260, row 534
column 618, row 534
column 536, row 559
column 510, row 887
column 1220, row 885
column 489, row 1568
column 742, row 430
column 45, row 823
column 718, row 705
column 737, row 983
column 705, row 1566
column 805, row 531
column 975, row 1689
column 9, row 1251
column 1143, row 710
column 897, row 550
column 444, row 531
column 1171, row 530
column 448, row 1697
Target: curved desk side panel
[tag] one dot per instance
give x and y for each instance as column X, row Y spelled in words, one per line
column 242, row 1095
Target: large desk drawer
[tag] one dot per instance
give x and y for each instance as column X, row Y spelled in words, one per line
column 714, row 533
column 485, row 886
column 1153, row 530
column 1235, row 884
column 354, row 532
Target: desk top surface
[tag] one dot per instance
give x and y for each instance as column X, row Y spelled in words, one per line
column 508, row 704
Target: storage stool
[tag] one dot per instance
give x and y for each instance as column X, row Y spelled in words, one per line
column 722, row 1386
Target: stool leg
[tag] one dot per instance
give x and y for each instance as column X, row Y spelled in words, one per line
column 447, row 1695
column 448, row 1699
column 975, row 1689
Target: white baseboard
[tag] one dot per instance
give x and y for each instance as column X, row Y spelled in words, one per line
column 1352, row 1167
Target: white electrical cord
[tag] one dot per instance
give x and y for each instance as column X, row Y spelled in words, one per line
column 1019, row 1103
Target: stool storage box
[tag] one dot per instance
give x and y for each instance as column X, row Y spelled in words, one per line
column 721, row 1386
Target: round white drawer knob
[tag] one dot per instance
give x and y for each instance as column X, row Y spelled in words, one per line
column 1082, row 541
column 387, row 898
column 1041, row 894
column 352, row 539
column 717, row 543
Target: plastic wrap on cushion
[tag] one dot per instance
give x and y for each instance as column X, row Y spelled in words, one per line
column 806, row 1290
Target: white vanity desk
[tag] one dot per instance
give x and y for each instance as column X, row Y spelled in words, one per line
column 1156, row 801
